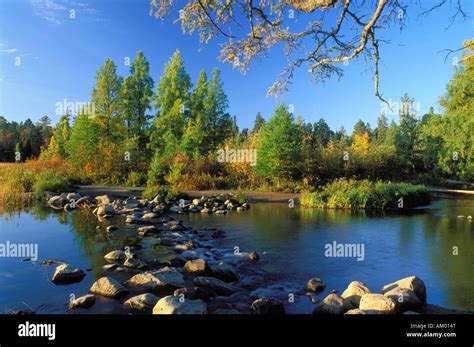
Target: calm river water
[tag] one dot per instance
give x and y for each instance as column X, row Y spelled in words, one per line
column 291, row 243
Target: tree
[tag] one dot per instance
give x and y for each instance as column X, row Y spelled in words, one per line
column 360, row 128
column 322, row 132
column 136, row 96
column 58, row 142
column 277, row 151
column 219, row 125
column 251, row 29
column 172, row 102
column 406, row 138
column 258, row 123
column 106, row 98
column 457, row 158
column 380, row 132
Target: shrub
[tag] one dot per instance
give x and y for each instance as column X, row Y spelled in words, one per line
column 50, row 181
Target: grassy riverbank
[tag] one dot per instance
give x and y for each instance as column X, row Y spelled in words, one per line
column 21, row 183
column 366, row 195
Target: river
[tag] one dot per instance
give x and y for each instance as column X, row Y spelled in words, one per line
column 432, row 243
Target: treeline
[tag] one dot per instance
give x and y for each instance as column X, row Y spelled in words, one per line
column 174, row 135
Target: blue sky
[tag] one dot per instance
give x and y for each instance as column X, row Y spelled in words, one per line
column 59, row 57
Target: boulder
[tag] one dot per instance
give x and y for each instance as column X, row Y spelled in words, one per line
column 174, row 305
column 84, row 301
column 104, row 199
column 194, row 293
column 111, row 228
column 332, row 304
column 167, row 277
column 224, row 272
column 147, row 230
column 142, row 302
column 403, row 298
column 220, row 287
column 267, row 306
column 315, row 285
column 412, row 283
column 73, row 196
column 197, row 266
column 376, row 302
column 134, row 263
column 116, row 255
column 253, row 256
column 66, row 274
column 107, row 286
column 151, row 215
column 354, row 292
column 105, row 210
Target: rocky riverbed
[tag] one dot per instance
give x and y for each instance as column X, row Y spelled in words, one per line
column 197, row 277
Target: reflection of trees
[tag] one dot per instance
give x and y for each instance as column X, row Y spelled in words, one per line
column 449, row 231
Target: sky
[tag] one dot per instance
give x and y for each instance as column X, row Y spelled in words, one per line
column 47, row 57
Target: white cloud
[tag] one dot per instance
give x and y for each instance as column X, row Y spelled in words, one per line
column 56, row 11
column 8, row 50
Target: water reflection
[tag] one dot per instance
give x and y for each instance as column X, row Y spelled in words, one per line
column 290, row 240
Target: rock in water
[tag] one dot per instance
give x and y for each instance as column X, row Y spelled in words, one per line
column 354, row 292
column 403, row 298
column 109, row 287
column 105, row 210
column 143, row 302
column 225, row 272
column 174, row 305
column 253, row 256
column 66, row 274
column 267, row 306
column 167, row 277
column 116, row 255
column 84, row 301
column 376, row 302
column 412, row 283
column 220, row 287
column 332, row 304
column 315, row 285
column 196, row 266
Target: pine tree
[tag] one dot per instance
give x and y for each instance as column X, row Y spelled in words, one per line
column 278, row 152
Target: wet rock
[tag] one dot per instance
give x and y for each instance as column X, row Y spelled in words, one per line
column 206, row 210
column 151, row 215
column 69, row 207
column 194, row 293
column 354, row 292
column 58, row 201
column 253, row 256
column 83, row 200
column 220, row 287
column 142, row 302
column 167, row 278
column 104, row 199
column 109, row 267
column 116, row 255
column 315, row 285
column 332, row 304
column 84, row 301
column 73, row 196
column 403, row 298
column 267, row 306
column 134, row 263
column 176, row 209
column 111, row 228
column 105, row 210
column 224, row 272
column 376, row 302
column 226, row 311
column 147, row 230
column 313, row 298
column 197, row 266
column 66, row 274
column 107, row 286
column 173, row 305
column 412, row 283
column 220, row 212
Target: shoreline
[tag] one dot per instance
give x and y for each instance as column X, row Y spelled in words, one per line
column 255, row 196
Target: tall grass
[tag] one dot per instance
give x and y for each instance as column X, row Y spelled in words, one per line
column 364, row 194
column 21, row 183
